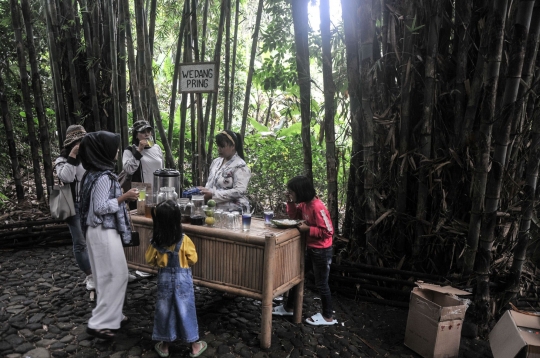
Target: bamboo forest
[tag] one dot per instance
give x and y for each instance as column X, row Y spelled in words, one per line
column 416, row 120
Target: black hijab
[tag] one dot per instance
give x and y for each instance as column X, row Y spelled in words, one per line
column 98, row 150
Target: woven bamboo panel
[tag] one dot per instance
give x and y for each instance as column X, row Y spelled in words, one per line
column 229, row 263
column 286, row 263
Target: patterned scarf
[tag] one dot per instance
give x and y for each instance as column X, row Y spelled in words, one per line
column 118, row 220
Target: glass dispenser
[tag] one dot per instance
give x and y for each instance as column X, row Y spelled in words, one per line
column 197, row 212
column 166, row 178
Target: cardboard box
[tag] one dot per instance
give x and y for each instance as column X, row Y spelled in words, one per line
column 516, row 335
column 435, row 320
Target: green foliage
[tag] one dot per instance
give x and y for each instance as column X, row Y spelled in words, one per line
column 274, row 159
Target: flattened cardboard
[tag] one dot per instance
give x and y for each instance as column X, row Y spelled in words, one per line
column 516, row 333
column 435, row 321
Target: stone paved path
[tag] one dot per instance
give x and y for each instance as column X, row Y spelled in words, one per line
column 44, row 307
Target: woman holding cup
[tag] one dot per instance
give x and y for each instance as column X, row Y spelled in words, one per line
column 142, row 158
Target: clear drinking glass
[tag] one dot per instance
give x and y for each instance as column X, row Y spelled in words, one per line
column 237, row 220
column 150, row 203
column 268, row 217
column 218, row 217
column 246, row 221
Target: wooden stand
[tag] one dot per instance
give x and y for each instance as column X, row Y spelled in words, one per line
column 261, row 263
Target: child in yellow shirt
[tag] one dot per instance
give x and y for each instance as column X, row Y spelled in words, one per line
column 173, row 252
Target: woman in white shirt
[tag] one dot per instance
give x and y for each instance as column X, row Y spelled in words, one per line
column 229, row 175
column 143, row 157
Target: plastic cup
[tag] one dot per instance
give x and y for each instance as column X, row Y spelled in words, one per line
column 246, row 222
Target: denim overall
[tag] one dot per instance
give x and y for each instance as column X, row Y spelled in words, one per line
column 175, row 317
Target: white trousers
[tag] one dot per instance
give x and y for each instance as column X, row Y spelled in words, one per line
column 110, row 272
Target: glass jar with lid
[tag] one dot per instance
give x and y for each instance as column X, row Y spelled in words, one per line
column 197, row 211
column 185, row 208
column 166, row 193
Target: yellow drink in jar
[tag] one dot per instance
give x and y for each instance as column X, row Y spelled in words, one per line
column 142, row 194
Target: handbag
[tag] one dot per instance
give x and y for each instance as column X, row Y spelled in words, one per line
column 135, row 238
column 61, row 202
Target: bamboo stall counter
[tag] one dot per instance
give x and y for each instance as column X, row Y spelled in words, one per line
column 261, row 263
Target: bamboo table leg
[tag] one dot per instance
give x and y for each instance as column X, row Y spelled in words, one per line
column 267, row 291
column 299, row 292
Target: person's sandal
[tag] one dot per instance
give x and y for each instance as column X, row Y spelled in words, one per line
column 104, row 333
column 157, row 347
column 204, row 345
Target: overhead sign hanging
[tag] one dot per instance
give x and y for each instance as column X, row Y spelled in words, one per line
column 198, row 77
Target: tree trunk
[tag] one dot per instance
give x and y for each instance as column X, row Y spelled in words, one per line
column 329, row 113
column 56, row 76
column 300, row 22
column 481, row 145
column 88, row 38
column 463, row 19
column 367, row 80
column 407, row 81
column 177, row 61
column 217, row 60
column 38, row 95
column 226, row 120
column 482, row 151
column 122, row 75
column 152, row 25
column 201, row 128
column 425, row 141
column 474, row 97
column 352, row 225
column 251, row 67
column 25, row 91
column 169, row 161
column 526, row 78
column 114, row 66
column 529, row 193
column 495, row 176
column 205, row 25
column 233, row 68
column 68, row 10
column 141, row 63
column 10, row 138
column 132, row 66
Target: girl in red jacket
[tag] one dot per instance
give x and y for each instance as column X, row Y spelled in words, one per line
column 304, row 204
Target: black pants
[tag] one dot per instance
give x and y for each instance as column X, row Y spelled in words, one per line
column 319, row 260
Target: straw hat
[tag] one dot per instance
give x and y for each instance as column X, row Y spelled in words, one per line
column 74, row 133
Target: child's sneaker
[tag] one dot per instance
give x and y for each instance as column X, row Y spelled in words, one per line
column 89, row 280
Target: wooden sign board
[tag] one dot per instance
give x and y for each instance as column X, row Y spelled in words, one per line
column 198, row 77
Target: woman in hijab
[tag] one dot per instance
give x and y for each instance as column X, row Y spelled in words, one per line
column 105, row 224
column 229, row 175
